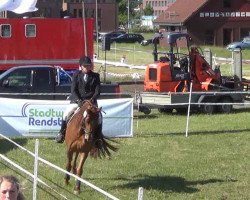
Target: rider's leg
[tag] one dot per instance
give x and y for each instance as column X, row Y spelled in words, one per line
column 61, row 135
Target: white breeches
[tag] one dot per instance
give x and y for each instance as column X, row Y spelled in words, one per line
column 72, row 108
column 69, row 110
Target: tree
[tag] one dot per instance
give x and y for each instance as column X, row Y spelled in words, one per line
column 148, row 10
column 123, row 9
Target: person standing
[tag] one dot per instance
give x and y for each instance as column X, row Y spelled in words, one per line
column 85, row 86
column 10, row 188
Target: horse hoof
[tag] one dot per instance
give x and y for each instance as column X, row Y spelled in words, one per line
column 76, row 192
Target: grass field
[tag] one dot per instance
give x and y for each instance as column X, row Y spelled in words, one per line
column 211, row 163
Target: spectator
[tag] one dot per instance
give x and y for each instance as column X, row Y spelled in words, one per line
column 10, row 188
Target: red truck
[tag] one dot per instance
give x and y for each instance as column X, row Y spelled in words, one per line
column 49, row 41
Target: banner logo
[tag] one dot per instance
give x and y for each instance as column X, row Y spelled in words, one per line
column 42, row 115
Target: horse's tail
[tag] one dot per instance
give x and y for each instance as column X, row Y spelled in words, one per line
column 103, row 147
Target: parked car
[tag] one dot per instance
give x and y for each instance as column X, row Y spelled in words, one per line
column 44, row 82
column 244, row 44
column 128, row 38
column 146, row 42
column 112, row 34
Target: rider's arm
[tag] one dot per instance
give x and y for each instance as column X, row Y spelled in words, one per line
column 74, row 87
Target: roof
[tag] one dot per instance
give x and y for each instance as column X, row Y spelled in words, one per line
column 180, row 11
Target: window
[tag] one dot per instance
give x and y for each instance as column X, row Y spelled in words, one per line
column 19, row 78
column 209, row 37
column 92, row 14
column 75, row 12
column 99, row 13
column 227, row 3
column 30, row 30
column 153, row 74
column 5, row 30
column 42, row 78
column 64, row 78
column 80, row 13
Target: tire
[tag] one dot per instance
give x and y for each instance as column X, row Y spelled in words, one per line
column 147, row 111
column 165, row 110
column 225, row 108
column 208, row 109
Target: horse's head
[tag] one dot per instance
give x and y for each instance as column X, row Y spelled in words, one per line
column 90, row 120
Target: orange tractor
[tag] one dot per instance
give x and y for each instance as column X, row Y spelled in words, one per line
column 168, row 79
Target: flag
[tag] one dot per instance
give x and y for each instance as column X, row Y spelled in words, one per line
column 18, row 6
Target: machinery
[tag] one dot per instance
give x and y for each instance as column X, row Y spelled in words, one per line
column 168, row 79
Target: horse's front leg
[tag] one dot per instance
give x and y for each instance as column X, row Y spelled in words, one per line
column 83, row 157
column 68, row 166
column 74, row 163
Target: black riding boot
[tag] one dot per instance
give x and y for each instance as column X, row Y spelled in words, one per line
column 61, row 135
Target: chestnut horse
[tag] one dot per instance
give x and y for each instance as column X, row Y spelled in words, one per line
column 83, row 137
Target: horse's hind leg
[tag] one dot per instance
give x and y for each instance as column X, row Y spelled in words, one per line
column 68, row 166
column 83, row 157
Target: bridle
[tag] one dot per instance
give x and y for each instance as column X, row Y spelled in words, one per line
column 87, row 116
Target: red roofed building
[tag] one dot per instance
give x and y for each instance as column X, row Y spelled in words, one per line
column 209, row 22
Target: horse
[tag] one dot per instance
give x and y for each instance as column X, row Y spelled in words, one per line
column 83, row 137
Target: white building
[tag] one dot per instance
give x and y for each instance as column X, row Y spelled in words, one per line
column 147, row 21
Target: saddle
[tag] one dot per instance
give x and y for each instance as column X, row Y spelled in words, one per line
column 69, row 117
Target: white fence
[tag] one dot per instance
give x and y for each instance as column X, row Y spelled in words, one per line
column 35, row 177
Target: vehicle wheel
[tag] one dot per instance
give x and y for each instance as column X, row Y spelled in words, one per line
column 208, row 109
column 165, row 110
column 227, row 108
column 146, row 110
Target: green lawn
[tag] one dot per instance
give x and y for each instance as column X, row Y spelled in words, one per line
column 211, row 163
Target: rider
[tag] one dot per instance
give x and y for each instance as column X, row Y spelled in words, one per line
column 85, row 86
